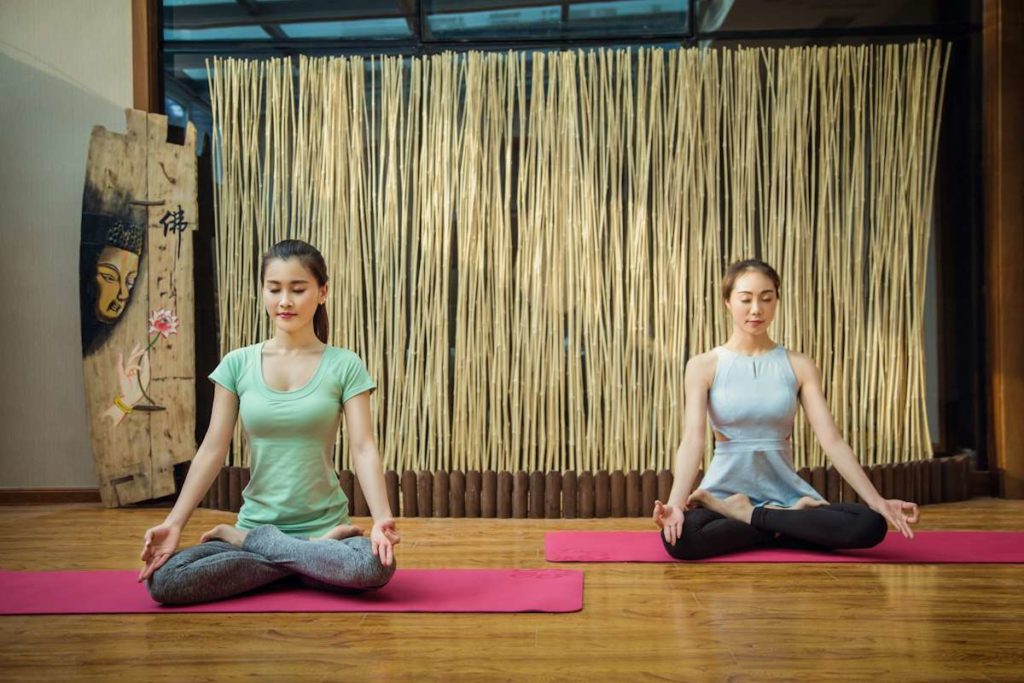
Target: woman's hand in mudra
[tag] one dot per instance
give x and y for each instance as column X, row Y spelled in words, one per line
column 669, row 518
column 160, row 543
column 383, row 537
column 899, row 513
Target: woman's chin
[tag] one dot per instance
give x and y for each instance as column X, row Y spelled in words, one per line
column 288, row 324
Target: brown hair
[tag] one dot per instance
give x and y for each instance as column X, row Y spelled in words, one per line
column 741, row 267
column 313, row 261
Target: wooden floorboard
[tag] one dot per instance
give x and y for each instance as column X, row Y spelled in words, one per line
column 661, row 622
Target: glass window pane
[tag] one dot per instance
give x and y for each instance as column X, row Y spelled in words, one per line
column 227, row 33
column 535, row 19
column 284, row 20
column 383, row 29
column 775, row 15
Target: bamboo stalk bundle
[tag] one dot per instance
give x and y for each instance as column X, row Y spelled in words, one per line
column 525, row 249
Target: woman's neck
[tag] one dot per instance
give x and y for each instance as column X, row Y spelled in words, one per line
column 300, row 340
column 749, row 344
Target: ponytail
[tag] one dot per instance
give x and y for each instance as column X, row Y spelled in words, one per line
column 320, row 324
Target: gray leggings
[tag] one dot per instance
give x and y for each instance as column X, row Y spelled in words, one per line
column 217, row 569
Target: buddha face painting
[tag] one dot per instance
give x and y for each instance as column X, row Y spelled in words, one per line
column 116, row 272
column 110, row 261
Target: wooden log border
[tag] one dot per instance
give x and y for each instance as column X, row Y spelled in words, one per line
column 568, row 495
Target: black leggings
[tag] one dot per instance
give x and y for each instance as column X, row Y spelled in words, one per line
column 831, row 527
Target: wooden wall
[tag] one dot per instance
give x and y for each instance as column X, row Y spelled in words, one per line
column 1003, row 107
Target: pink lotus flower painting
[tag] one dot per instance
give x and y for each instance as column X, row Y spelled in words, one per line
column 162, row 322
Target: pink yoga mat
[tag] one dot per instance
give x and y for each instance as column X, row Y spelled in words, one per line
column 928, row 547
column 410, row 590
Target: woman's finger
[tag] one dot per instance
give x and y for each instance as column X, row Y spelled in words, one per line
column 145, row 573
column 915, row 513
column 901, row 524
column 161, row 560
column 906, row 525
column 154, row 563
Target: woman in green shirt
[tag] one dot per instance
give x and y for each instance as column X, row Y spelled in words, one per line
column 290, row 392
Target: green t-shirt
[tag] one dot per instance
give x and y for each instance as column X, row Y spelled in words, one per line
column 291, row 436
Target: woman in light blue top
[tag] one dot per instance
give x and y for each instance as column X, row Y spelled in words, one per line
column 751, row 494
column 291, row 392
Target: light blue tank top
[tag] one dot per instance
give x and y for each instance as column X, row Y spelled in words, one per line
column 752, row 403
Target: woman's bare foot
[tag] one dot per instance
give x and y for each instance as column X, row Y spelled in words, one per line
column 225, row 532
column 339, row 532
column 736, row 506
column 804, row 503
column 807, row 502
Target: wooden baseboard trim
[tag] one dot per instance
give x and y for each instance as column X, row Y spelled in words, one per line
column 568, row 495
column 48, row 496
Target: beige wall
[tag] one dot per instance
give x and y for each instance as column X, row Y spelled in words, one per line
column 65, row 65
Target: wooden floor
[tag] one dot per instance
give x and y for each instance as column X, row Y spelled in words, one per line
column 639, row 622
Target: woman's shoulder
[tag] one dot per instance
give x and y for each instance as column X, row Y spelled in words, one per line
column 703, row 365
column 802, row 364
column 240, row 353
column 341, row 354
column 344, row 361
column 796, row 357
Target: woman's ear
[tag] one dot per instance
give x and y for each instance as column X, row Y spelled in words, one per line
column 323, row 293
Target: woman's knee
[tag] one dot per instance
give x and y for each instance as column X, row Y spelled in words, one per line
column 867, row 531
column 372, row 573
column 385, row 573
column 685, row 548
column 163, row 586
column 381, row 574
column 877, row 528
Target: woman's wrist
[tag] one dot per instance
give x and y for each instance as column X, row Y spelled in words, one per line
column 875, row 502
column 173, row 520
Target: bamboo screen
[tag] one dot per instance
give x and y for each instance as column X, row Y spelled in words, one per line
column 525, row 249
